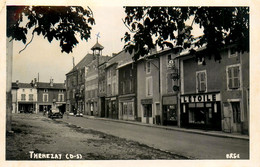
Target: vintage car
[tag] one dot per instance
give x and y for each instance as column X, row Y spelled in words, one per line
column 55, row 113
column 79, row 114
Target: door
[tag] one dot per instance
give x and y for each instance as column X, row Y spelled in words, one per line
column 236, row 116
column 147, row 112
column 226, row 117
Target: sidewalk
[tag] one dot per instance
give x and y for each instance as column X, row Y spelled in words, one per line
column 197, row 131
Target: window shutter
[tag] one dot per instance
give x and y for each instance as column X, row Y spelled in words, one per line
column 198, row 81
column 230, row 78
column 169, row 83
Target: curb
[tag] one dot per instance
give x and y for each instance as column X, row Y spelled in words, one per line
column 173, row 128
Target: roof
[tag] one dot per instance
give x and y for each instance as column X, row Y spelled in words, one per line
column 21, row 85
column 123, row 58
column 83, row 62
column 97, row 46
column 14, row 85
column 46, row 85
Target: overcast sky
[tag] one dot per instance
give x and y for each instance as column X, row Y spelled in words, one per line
column 46, row 58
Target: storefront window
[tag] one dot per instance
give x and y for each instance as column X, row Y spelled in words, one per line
column 196, row 116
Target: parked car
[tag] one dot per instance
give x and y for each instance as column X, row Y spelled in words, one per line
column 55, row 113
column 79, row 114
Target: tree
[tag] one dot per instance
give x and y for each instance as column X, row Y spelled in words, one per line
column 60, row 22
column 165, row 27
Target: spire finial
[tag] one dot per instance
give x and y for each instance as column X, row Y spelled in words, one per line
column 98, row 35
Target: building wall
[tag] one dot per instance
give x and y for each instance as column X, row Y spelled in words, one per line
column 216, row 73
column 52, row 95
column 142, row 88
column 14, row 101
column 127, row 92
column 190, row 67
column 27, row 91
column 91, row 90
column 72, row 82
column 112, row 80
column 169, row 65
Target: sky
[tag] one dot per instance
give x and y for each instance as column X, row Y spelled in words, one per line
column 46, row 58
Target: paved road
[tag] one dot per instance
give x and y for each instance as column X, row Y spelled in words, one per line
column 187, row 144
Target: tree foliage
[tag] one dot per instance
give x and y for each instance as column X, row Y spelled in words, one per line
column 165, row 27
column 60, row 22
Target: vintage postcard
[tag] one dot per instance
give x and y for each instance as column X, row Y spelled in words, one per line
column 96, row 83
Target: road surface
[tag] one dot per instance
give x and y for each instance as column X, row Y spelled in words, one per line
column 192, row 145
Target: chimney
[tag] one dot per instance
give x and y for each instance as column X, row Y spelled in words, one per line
column 35, row 82
column 51, row 82
column 114, row 54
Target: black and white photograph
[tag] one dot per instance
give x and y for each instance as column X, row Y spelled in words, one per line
column 120, row 84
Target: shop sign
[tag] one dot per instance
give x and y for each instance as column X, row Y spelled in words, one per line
column 113, row 98
column 201, row 98
column 146, row 101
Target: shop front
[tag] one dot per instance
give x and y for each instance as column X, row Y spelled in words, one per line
column 127, row 109
column 147, row 108
column 27, row 107
column 44, row 107
column 201, row 111
column 111, row 108
column 170, row 110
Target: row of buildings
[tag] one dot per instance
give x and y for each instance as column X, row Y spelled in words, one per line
column 165, row 87
column 37, row 97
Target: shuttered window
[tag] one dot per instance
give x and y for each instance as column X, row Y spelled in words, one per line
column 201, row 81
column 30, row 96
column 45, row 97
column 169, row 82
column 149, row 86
column 23, row 97
column 233, row 77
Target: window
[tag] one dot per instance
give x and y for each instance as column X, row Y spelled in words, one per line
column 123, row 87
column 45, row 97
column 30, row 96
column 124, row 74
column 148, row 67
column 169, row 58
column 149, row 86
column 109, row 89
column 114, row 71
column 130, row 85
column 61, row 97
column 23, row 97
column 125, row 108
column 169, row 82
column 232, row 53
column 68, row 95
column 114, row 88
column 201, row 60
column 236, row 112
column 45, row 90
column 201, row 81
column 233, row 76
column 130, row 108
